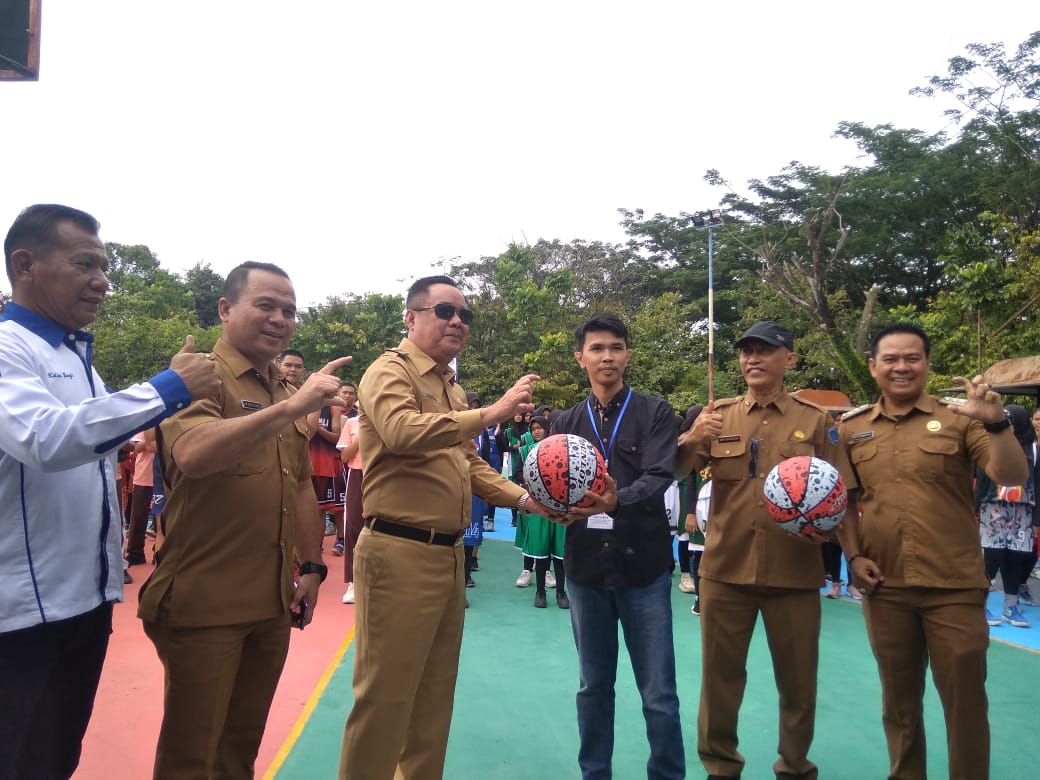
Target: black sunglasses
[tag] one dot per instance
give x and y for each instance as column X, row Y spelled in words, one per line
column 445, row 311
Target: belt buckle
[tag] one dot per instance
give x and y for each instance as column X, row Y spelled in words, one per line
column 432, row 535
column 458, row 540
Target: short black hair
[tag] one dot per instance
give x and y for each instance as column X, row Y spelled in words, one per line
column 901, row 327
column 601, row 321
column 294, row 353
column 347, row 383
column 238, row 278
column 36, row 227
column 420, row 287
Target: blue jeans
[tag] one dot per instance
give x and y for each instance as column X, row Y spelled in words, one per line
column 646, row 619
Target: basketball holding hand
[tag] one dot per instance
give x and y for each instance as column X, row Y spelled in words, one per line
column 567, row 474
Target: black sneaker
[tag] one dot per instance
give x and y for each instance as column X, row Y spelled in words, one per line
column 562, row 601
column 475, row 566
column 696, row 608
column 470, row 583
column 539, row 601
column 127, row 579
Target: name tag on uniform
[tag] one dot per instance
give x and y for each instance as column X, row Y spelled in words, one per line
column 600, row 522
column 252, row 406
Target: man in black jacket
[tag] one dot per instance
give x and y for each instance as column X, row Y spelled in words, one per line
column 618, row 556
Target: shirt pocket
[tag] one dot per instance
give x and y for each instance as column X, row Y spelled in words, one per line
column 239, row 462
column 628, row 451
column 937, row 455
column 728, row 460
column 864, row 458
column 252, row 462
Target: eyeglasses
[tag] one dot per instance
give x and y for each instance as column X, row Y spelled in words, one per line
column 753, row 465
column 445, row 311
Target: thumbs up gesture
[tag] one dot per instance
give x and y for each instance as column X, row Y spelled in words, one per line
column 196, row 370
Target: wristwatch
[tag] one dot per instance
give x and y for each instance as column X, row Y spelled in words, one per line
column 997, row 427
column 521, row 503
column 314, row 568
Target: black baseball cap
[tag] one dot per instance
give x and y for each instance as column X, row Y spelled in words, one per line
column 772, row 333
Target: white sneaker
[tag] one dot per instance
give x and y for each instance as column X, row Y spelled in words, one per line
column 348, row 597
column 524, row 580
column 550, row 579
column 686, row 583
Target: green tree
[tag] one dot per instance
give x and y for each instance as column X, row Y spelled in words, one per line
column 361, row 327
column 206, row 287
column 146, row 315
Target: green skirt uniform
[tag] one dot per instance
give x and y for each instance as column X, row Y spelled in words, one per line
column 540, row 538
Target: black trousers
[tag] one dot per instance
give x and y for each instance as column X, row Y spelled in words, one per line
column 48, row 677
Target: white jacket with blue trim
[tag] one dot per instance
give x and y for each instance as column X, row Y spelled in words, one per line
column 60, row 522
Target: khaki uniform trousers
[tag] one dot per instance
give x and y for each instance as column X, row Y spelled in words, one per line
column 792, row 621
column 410, row 610
column 220, row 682
column 908, row 628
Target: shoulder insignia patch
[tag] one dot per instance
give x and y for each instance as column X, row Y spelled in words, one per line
column 807, row 402
column 719, row 402
column 855, row 412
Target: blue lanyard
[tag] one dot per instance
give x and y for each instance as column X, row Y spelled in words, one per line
column 617, row 425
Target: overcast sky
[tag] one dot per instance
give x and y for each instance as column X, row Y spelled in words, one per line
column 360, row 145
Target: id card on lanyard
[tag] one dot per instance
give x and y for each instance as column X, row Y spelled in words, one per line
column 603, row 521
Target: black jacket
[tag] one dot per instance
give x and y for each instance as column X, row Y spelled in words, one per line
column 639, row 548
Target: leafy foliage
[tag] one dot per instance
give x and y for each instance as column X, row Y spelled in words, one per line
column 942, row 229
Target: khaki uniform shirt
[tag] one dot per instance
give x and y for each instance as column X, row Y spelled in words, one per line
column 744, row 545
column 420, row 465
column 227, row 557
column 915, row 479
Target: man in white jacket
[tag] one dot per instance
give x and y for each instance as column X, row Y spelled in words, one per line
column 60, row 526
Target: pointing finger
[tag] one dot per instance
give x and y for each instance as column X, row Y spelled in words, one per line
column 335, row 365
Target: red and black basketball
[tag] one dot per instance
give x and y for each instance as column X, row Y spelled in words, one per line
column 805, row 495
column 561, row 469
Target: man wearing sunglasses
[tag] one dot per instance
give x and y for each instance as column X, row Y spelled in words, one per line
column 750, row 565
column 420, row 469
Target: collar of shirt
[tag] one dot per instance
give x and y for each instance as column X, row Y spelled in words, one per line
column 612, row 405
column 782, row 403
column 240, row 366
column 925, row 404
column 423, row 362
column 46, row 329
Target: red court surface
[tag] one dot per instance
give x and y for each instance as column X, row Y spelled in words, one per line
column 120, row 741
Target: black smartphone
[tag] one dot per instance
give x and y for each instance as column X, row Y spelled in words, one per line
column 302, row 618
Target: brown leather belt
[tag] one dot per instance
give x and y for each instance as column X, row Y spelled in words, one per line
column 429, row 536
